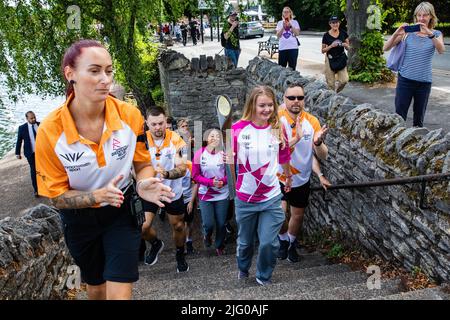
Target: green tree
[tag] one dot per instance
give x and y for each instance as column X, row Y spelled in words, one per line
column 309, row 13
column 366, row 62
column 34, row 35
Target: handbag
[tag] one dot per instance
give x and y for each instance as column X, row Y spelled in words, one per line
column 396, row 56
column 337, row 63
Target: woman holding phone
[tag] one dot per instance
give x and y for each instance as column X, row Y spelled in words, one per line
column 415, row 75
column 287, row 31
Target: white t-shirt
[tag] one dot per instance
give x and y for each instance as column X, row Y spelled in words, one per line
column 258, row 154
column 287, row 40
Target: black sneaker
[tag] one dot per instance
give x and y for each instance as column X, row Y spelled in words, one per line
column 283, row 251
column 189, row 248
column 292, row 253
column 182, row 265
column 152, row 257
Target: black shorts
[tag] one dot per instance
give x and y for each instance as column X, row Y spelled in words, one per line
column 104, row 243
column 175, row 208
column 298, row 197
column 189, row 217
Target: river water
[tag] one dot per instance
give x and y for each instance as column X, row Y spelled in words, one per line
column 12, row 115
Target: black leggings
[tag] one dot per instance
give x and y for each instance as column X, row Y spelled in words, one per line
column 288, row 57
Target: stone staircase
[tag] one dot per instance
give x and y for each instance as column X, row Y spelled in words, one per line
column 212, row 277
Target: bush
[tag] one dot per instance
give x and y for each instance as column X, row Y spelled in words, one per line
column 371, row 66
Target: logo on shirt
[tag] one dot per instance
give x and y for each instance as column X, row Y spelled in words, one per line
column 72, row 157
column 116, row 144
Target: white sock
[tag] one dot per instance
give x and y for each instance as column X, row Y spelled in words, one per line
column 284, row 236
column 291, row 237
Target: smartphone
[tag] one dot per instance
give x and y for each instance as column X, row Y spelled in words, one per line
column 413, row 28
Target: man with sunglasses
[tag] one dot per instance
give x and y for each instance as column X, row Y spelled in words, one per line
column 306, row 138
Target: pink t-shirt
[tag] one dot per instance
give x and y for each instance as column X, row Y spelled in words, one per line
column 205, row 168
column 258, row 155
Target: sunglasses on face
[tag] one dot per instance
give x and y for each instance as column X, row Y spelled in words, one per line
column 292, row 98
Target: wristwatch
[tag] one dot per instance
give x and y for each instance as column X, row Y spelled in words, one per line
column 320, row 174
column 432, row 36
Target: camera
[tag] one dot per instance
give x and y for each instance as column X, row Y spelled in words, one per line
column 413, row 28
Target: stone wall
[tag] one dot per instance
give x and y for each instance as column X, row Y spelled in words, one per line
column 366, row 144
column 191, row 87
column 33, row 256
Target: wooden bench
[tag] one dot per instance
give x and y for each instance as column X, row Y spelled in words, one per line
column 270, row 45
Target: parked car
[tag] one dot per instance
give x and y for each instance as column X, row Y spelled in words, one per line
column 250, row 29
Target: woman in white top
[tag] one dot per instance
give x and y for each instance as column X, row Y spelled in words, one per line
column 208, row 170
column 287, row 31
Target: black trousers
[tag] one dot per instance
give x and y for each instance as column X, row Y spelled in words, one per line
column 288, row 58
column 32, row 163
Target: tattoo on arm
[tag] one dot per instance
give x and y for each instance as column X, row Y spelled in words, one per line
column 74, row 200
column 177, row 172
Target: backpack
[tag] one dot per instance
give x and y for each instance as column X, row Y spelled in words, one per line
column 223, row 41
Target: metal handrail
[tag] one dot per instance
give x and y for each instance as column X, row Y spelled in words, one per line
column 422, row 179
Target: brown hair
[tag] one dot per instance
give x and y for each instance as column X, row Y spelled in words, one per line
column 71, row 55
column 274, row 120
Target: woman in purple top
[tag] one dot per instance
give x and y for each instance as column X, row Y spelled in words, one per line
column 208, row 170
column 287, row 31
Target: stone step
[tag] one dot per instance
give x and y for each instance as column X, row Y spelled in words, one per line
column 292, row 289
column 188, row 286
column 217, row 265
column 423, row 294
column 349, row 292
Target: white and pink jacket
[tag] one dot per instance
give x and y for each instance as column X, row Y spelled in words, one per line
column 258, row 155
column 205, row 168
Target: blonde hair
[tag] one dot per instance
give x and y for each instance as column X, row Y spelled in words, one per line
column 181, row 121
column 290, row 10
column 427, row 8
column 274, row 120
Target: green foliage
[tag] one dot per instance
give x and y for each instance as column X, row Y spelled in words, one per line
column 336, row 251
column 35, row 36
column 371, row 65
column 309, row 13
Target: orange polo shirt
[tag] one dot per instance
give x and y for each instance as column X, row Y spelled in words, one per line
column 67, row 161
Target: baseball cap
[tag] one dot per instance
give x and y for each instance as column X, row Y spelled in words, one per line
column 233, row 13
column 333, row 18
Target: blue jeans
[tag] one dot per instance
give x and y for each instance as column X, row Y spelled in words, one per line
column 233, row 54
column 262, row 220
column 215, row 210
column 405, row 91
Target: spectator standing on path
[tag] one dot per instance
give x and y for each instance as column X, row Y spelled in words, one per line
column 177, row 31
column 193, row 29
column 208, row 170
column 334, row 41
column 415, row 74
column 27, row 133
column 85, row 151
column 305, row 138
column 184, row 32
column 260, row 146
column 231, row 34
column 287, row 31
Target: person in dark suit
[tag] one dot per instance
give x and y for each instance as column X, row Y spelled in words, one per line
column 27, row 134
